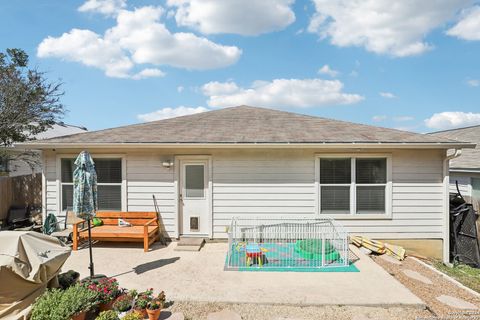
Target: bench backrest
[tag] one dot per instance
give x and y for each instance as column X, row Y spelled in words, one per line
column 135, row 218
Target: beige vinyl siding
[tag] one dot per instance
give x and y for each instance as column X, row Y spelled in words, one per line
column 51, row 194
column 269, row 183
column 249, row 184
column 464, row 183
column 147, row 177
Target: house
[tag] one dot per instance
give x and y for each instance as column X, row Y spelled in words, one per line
column 245, row 161
column 15, row 168
column 465, row 169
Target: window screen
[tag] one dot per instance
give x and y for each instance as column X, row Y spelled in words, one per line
column 370, row 199
column 109, row 197
column 371, row 171
column 109, row 183
column 67, row 170
column 335, row 171
column 108, row 170
column 194, row 181
column 335, row 198
column 67, row 196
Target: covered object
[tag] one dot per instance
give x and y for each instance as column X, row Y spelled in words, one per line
column 29, row 263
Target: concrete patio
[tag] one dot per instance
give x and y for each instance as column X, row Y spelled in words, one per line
column 199, row 276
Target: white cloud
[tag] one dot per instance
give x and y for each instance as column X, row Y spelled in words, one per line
column 148, row 73
column 215, row 88
column 244, row 17
column 395, row 28
column 379, row 118
column 468, row 28
column 90, row 49
column 105, row 7
column 138, row 38
column 473, row 82
column 387, row 95
column 328, row 71
column 180, row 89
column 167, row 113
column 280, row 93
column 449, row 120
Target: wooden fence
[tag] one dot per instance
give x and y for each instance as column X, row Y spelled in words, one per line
column 20, row 191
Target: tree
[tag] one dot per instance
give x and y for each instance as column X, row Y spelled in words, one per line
column 29, row 105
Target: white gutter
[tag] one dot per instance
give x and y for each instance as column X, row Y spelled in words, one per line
column 313, row 145
column 446, row 204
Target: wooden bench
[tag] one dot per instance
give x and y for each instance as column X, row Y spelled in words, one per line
column 145, row 228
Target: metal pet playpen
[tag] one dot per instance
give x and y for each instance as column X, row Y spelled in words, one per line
column 286, row 243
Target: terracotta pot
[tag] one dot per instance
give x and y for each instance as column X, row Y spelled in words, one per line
column 153, row 314
column 142, row 312
column 106, row 306
column 79, row 316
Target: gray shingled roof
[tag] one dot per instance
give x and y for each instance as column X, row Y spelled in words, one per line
column 246, row 124
column 470, row 158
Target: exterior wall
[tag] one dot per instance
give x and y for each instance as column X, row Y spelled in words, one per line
column 252, row 182
column 465, row 185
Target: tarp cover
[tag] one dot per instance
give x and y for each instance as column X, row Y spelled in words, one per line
column 29, row 263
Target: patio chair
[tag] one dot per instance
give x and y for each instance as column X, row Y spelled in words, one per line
column 64, row 227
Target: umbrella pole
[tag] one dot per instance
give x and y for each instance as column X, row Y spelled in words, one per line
column 90, row 248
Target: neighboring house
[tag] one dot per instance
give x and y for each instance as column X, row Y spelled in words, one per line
column 465, row 169
column 20, row 168
column 244, row 161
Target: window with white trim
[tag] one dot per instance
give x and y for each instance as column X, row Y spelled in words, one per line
column 353, row 185
column 109, row 183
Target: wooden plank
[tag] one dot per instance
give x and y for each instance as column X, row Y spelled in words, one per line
column 126, row 215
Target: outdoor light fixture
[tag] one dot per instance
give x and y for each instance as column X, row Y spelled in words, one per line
column 167, row 164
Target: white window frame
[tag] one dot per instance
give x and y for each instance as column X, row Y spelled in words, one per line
column 123, row 184
column 352, row 214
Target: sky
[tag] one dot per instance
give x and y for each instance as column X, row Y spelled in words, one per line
column 410, row 65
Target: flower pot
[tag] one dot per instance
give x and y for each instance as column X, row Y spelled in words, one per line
column 142, row 312
column 79, row 316
column 153, row 314
column 106, row 306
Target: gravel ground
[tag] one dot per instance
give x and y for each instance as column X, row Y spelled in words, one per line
column 199, row 311
column 429, row 292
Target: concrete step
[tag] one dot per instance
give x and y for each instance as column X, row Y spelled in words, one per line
column 190, row 241
column 187, row 248
column 189, row 244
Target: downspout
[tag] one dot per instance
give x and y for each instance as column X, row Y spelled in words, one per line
column 446, row 204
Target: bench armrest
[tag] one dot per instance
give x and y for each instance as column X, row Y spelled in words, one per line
column 150, row 222
column 75, row 233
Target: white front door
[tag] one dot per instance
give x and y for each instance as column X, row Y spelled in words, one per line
column 193, row 198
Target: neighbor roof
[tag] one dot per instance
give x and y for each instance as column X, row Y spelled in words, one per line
column 244, row 125
column 470, row 159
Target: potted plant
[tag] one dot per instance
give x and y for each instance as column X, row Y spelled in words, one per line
column 107, row 290
column 73, row 303
column 124, row 302
column 155, row 306
column 133, row 316
column 142, row 301
column 107, row 315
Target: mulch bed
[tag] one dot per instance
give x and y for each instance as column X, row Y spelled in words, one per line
column 429, row 292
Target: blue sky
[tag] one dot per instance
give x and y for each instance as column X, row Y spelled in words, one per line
column 400, row 65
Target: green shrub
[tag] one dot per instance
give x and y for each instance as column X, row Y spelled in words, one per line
column 60, row 305
column 133, row 316
column 107, row 315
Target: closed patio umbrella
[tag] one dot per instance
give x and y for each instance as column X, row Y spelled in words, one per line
column 85, row 194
